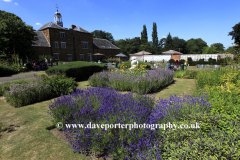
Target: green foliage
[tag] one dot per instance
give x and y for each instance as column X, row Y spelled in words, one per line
column 42, row 75
column 28, row 93
column 179, row 44
column 181, row 61
column 80, row 70
column 127, row 65
column 210, row 50
column 172, row 61
column 29, row 66
column 15, row 35
column 168, row 43
column 154, row 36
column 235, row 33
column 144, row 35
column 60, row 85
column 219, row 46
column 104, row 35
column 187, row 74
column 195, row 46
column 42, row 57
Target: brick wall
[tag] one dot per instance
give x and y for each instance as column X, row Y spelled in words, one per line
column 176, row 57
column 41, row 51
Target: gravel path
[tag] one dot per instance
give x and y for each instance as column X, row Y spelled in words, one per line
column 20, row 76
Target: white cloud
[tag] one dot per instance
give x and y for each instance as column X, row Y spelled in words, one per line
column 16, row 3
column 7, row 0
column 38, row 24
column 163, row 36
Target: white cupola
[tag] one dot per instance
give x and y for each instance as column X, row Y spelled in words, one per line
column 58, row 19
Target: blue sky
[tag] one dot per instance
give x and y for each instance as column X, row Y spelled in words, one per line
column 210, row 20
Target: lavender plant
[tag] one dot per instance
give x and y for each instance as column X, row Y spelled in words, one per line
column 107, row 106
column 28, row 93
column 149, row 81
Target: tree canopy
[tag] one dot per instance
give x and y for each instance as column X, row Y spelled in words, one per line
column 195, row 46
column 168, row 43
column 16, row 36
column 103, row 35
column 179, row 45
column 235, row 33
column 219, row 46
column 154, row 36
column 144, row 36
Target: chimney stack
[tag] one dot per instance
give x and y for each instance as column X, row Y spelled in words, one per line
column 73, row 26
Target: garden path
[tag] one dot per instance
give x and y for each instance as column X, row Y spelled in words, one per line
column 20, row 76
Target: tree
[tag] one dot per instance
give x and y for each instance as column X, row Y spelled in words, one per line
column 161, row 45
column 195, row 46
column 104, row 35
column 16, row 36
column 154, row 36
column 210, row 50
column 231, row 49
column 219, row 46
column 235, row 33
column 168, row 43
column 144, row 36
column 179, row 45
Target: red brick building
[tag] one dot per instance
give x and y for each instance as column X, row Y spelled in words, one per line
column 73, row 44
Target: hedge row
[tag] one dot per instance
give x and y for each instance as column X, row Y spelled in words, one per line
column 79, row 70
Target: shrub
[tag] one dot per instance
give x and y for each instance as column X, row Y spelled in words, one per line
column 127, row 65
column 29, row 66
column 181, row 61
column 60, row 84
column 6, row 86
column 172, row 61
column 24, row 94
column 140, row 81
column 42, row 75
column 106, row 106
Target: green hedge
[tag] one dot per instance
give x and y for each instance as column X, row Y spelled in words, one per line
column 79, row 70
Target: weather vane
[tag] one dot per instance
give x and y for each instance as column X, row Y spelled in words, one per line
column 57, row 7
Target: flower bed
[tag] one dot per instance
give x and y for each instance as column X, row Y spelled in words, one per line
column 107, row 106
column 140, row 80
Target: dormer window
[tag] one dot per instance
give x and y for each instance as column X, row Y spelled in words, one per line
column 62, row 34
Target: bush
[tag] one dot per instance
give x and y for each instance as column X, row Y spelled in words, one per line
column 28, row 93
column 29, row 66
column 60, row 84
column 6, row 86
column 181, row 61
column 172, row 61
column 42, row 75
column 127, row 65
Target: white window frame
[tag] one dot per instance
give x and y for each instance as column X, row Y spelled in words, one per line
column 57, row 55
column 71, row 57
column 90, row 56
column 63, row 45
column 84, row 45
column 56, row 44
column 80, row 57
column 62, row 34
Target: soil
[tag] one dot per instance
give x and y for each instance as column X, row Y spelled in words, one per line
column 60, row 135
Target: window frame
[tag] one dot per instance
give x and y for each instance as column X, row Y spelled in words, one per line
column 56, row 54
column 62, row 33
column 83, row 57
column 83, row 45
column 56, row 42
column 62, row 45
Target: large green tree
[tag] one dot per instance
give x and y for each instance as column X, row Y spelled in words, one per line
column 210, row 50
column 103, row 35
column 161, row 45
column 144, row 36
column 235, row 33
column 154, row 37
column 219, row 47
column 179, row 45
column 16, row 36
column 195, row 46
column 168, row 43
column 130, row 46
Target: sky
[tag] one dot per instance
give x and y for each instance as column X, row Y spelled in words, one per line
column 210, row 20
